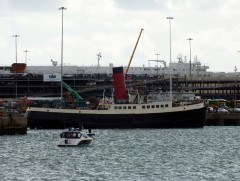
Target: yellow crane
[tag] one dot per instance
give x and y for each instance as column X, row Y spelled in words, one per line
column 134, row 51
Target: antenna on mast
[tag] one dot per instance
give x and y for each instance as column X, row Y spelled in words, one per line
column 99, row 56
column 179, row 57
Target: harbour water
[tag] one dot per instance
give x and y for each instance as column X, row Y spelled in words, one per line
column 211, row 153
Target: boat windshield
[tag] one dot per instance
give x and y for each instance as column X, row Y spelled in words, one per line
column 70, row 135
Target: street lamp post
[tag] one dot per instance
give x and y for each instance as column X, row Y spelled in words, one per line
column 62, row 8
column 235, row 85
column 99, row 56
column 236, row 75
column 157, row 62
column 190, row 39
column 15, row 36
column 26, row 52
column 170, row 66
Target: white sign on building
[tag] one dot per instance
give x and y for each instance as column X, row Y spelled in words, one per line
column 55, row 77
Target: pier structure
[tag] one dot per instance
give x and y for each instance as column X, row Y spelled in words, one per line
column 20, row 80
column 222, row 119
column 12, row 124
column 208, row 87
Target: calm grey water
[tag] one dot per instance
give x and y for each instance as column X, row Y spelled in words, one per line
column 211, row 153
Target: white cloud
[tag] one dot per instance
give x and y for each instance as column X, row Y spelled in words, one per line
column 112, row 27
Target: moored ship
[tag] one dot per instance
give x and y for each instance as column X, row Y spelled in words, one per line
column 135, row 110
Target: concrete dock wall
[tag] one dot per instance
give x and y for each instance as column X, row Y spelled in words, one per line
column 13, row 124
column 222, row 119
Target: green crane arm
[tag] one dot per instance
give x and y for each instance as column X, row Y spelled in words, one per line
column 73, row 92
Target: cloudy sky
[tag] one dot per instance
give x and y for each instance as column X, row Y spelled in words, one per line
column 112, row 28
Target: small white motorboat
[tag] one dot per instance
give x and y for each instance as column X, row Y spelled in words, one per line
column 75, row 137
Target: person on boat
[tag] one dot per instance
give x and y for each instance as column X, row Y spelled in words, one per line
column 82, row 128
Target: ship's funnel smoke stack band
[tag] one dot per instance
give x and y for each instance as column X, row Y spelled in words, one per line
column 18, row 68
column 119, row 85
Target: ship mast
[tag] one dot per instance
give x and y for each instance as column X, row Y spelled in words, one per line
column 99, row 56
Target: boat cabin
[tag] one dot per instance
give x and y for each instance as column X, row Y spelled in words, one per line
column 69, row 135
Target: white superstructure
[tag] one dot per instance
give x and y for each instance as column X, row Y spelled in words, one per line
column 180, row 68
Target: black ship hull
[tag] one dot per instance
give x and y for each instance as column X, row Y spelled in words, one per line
column 59, row 119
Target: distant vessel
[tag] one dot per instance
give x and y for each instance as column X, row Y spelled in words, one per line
column 136, row 110
column 181, row 68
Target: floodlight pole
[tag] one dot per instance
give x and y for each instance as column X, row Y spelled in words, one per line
column 26, row 52
column 62, row 8
column 170, row 64
column 190, row 39
column 15, row 36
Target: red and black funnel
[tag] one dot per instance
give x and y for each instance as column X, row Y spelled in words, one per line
column 119, row 83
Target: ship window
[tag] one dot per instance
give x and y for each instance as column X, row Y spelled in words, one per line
column 153, row 106
column 115, row 107
column 74, row 135
column 148, row 107
column 162, row 106
column 124, row 107
column 157, row 106
column 134, row 107
column 166, row 105
column 62, row 135
column 120, row 107
column 70, row 135
column 129, row 107
column 143, row 107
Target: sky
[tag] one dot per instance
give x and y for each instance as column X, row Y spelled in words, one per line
column 112, row 27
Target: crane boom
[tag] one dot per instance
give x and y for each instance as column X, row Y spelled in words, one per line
column 73, row 92
column 134, row 51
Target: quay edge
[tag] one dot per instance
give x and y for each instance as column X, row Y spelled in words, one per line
column 13, row 125
column 222, row 119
